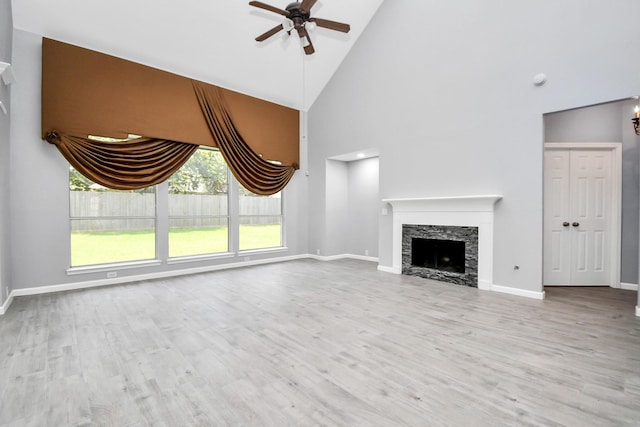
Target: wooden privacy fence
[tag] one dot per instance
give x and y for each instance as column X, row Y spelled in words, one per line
column 112, row 211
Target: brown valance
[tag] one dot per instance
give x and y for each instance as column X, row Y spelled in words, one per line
column 89, row 93
column 127, row 165
column 254, row 172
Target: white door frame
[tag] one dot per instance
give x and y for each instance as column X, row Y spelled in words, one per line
column 616, row 196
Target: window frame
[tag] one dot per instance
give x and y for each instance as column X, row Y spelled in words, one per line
column 202, row 256
column 161, row 233
column 155, row 260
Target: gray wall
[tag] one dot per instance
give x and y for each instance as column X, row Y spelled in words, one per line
column 6, row 31
column 39, row 234
column 364, row 198
column 608, row 123
column 352, row 200
column 452, row 108
column 337, row 196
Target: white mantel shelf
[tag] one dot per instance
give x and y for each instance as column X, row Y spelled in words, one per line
column 475, row 211
column 480, row 203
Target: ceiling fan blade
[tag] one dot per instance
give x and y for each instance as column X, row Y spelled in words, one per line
column 307, row 5
column 332, row 25
column 265, row 6
column 306, row 40
column 271, row 32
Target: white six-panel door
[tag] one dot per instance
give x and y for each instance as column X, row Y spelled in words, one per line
column 581, row 211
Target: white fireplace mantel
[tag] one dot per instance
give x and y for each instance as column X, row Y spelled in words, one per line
column 469, row 211
column 448, row 204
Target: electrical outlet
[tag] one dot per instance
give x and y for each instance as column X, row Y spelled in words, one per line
column 317, row 251
column 247, row 258
column 112, row 274
column 366, row 252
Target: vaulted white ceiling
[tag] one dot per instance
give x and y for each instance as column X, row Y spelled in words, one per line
column 208, row 40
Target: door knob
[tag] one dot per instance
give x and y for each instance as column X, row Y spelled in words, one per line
column 565, row 224
column 575, row 224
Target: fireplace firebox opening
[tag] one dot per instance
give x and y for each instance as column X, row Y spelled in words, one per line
column 443, row 255
column 447, row 253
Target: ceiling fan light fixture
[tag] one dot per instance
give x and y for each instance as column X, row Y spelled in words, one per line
column 298, row 17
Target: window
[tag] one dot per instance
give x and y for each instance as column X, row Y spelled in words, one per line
column 260, row 220
column 198, row 206
column 194, row 210
column 110, row 226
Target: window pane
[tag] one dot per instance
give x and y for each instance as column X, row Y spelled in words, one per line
column 102, row 241
column 109, row 226
column 101, row 202
column 254, row 205
column 192, row 237
column 256, row 233
column 260, row 220
column 198, row 206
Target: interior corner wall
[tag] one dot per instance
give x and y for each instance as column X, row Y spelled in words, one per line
column 453, row 110
column 6, row 33
column 350, row 214
column 609, row 122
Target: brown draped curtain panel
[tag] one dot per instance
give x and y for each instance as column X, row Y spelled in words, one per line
column 254, row 173
column 89, row 93
column 128, row 165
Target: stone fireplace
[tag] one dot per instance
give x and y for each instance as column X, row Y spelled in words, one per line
column 467, row 219
column 439, row 252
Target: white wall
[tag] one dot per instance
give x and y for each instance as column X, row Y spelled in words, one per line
column 39, row 234
column 609, row 122
column 5, row 96
column 451, row 106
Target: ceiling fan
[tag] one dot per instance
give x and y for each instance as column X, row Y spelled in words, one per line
column 298, row 15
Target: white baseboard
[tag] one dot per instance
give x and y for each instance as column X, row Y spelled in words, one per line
column 388, row 270
column 518, row 292
column 165, row 274
column 182, row 272
column 484, row 286
column 5, row 306
column 342, row 256
column 325, row 257
column 361, row 257
column 160, row 275
column 629, row 286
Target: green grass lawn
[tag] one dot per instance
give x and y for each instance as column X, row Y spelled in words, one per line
column 109, row 246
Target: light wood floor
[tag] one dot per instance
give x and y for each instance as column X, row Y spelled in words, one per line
column 307, row 343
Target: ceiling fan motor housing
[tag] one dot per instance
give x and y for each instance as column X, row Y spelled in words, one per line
column 296, row 14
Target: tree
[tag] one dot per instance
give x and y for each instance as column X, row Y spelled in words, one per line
column 204, row 172
column 77, row 181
